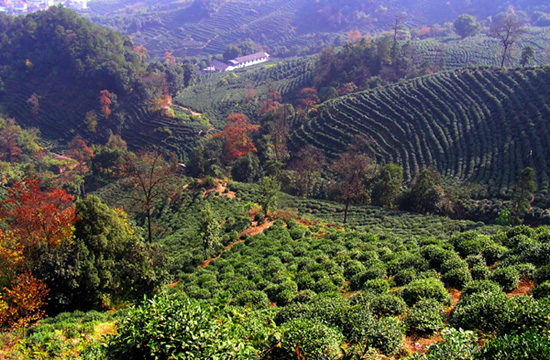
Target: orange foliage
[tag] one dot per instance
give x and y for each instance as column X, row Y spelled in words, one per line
column 273, row 99
column 354, row 36
column 21, row 303
column 237, row 133
column 425, row 31
column 141, row 51
column 105, row 102
column 169, row 58
column 307, row 99
column 38, row 218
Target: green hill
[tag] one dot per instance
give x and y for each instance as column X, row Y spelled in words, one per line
column 479, row 124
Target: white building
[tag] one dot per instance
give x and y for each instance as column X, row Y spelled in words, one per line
column 238, row 63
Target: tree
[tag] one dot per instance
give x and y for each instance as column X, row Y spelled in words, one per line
column 79, row 151
column 508, row 30
column 9, row 135
column 237, row 133
column 148, row 176
column 426, row 193
column 105, row 102
column 38, row 219
column 209, row 229
column 106, row 261
column 527, row 54
column 523, row 194
column 387, row 185
column 307, row 99
column 351, row 171
column 269, row 189
column 308, row 167
column 232, row 52
column 467, row 25
column 22, row 303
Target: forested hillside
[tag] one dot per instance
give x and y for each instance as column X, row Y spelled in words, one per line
column 479, row 124
column 282, row 27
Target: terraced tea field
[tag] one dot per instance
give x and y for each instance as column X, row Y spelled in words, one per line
column 480, row 124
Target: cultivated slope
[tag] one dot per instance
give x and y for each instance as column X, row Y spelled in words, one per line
column 480, row 124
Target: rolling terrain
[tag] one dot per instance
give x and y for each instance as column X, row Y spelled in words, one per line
column 479, row 124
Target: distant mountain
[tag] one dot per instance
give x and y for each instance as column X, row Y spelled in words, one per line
column 202, row 27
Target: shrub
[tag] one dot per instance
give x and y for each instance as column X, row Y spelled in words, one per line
column 477, row 286
column 305, row 281
column 405, row 276
column 284, row 297
column 388, row 305
column 310, row 340
column 304, row 296
column 429, row 288
column 493, row 253
column 386, row 335
column 456, row 345
column 457, row 277
column 291, row 312
column 480, row 272
column 542, row 274
column 485, row 311
column 257, row 299
column 542, row 290
column 526, row 270
column 325, row 285
column 527, row 313
column 425, row 317
column 154, row 330
column 377, row 286
column 356, row 322
column 532, row 344
column 506, row 277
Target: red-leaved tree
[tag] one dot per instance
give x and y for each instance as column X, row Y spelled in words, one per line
column 237, row 133
column 105, row 102
column 38, row 218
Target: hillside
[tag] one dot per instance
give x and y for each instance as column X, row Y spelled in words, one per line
column 479, row 124
column 200, row 27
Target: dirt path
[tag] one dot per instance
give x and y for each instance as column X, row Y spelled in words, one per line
column 254, row 229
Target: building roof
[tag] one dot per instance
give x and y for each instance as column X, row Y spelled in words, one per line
column 251, row 57
column 219, row 65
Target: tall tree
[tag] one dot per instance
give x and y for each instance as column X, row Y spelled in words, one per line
column 527, row 54
column 79, row 151
column 308, row 166
column 467, row 25
column 149, row 177
column 351, row 170
column 209, row 229
column 523, row 194
column 387, row 185
column 508, row 30
column 269, row 190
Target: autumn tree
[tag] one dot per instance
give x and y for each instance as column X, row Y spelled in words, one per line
column 79, row 151
column 307, row 99
column 105, row 102
column 354, row 36
column 351, row 172
column 22, row 303
column 149, row 177
column 236, row 133
column 209, row 229
column 39, row 219
column 508, row 30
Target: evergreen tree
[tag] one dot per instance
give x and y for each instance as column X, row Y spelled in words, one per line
column 209, row 229
column 269, row 189
column 523, row 194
